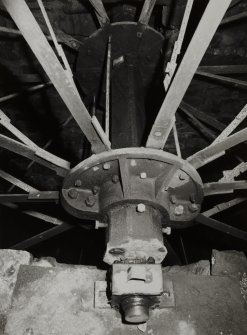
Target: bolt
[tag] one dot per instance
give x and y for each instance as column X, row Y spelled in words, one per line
column 193, row 208
column 90, row 201
column 140, row 208
column 179, row 210
column 166, row 294
column 78, row 183
column 73, row 194
column 74, row 44
column 106, row 166
column 173, row 199
column 143, row 175
column 167, row 231
column 95, row 190
column 139, row 34
column 115, row 179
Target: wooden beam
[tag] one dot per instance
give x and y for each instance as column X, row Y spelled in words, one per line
column 202, row 37
column 100, row 12
column 38, row 196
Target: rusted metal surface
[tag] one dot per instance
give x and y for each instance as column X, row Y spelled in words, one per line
column 191, row 60
column 47, row 58
column 133, row 176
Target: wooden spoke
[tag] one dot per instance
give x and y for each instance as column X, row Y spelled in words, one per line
column 146, row 11
column 232, row 126
column 224, row 228
column 43, row 236
column 235, row 83
column 63, row 38
column 224, row 187
column 28, row 90
column 191, row 60
column 44, row 196
column 53, row 68
column 16, row 182
column 206, row 118
column 223, row 69
column 100, row 12
column 223, row 206
column 36, row 154
column 217, row 150
column 234, row 18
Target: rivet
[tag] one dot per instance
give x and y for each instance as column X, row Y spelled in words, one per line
column 73, row 194
column 179, row 210
column 95, row 190
column 115, row 179
column 143, row 175
column 158, row 133
column 90, row 201
column 140, row 208
column 173, row 199
column 106, row 166
column 78, row 183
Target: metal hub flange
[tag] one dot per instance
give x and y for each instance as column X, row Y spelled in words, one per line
column 136, row 176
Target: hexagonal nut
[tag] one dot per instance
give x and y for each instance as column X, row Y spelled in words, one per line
column 90, row 201
column 73, row 194
column 193, row 208
column 106, row 166
column 179, row 210
column 143, row 175
column 141, row 208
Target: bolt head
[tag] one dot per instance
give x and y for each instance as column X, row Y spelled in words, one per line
column 115, row 179
column 106, row 166
column 73, row 194
column 179, row 210
column 143, row 175
column 140, row 208
column 158, row 134
column 78, row 183
column 90, row 201
column 193, row 208
column 95, row 190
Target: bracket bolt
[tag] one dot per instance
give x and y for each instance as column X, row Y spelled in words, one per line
column 95, row 190
column 106, row 166
column 179, row 210
column 90, row 201
column 78, row 183
column 140, row 208
column 143, row 175
column 193, row 208
column 73, row 194
column 167, row 231
column 115, row 179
